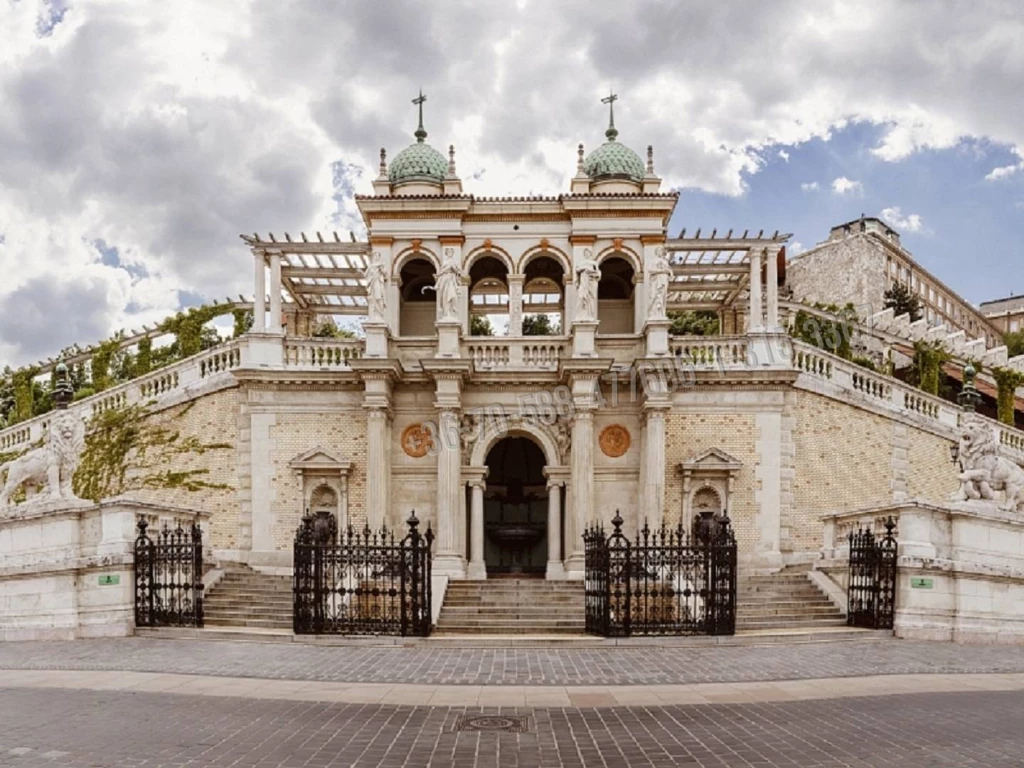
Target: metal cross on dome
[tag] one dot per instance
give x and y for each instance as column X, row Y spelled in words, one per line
column 420, row 134
column 610, row 100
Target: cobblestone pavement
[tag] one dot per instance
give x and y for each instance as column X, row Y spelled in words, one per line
column 76, row 728
column 520, row 666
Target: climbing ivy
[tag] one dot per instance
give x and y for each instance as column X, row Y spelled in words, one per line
column 144, row 357
column 101, row 361
column 830, row 334
column 130, row 449
column 1007, row 381
column 243, row 321
column 23, row 394
column 188, row 328
column 926, row 373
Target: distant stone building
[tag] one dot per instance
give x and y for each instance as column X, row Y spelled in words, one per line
column 861, row 260
column 1005, row 314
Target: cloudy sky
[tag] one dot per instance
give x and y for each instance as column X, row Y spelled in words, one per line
column 138, row 138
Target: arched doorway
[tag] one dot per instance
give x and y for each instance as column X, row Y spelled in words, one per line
column 615, row 293
column 418, row 307
column 516, row 509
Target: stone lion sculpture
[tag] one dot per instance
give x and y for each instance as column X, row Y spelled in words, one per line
column 985, row 471
column 51, row 465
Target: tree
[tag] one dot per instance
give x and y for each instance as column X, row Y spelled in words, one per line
column 480, row 325
column 540, row 325
column 903, row 301
column 1014, row 343
column 328, row 329
column 929, row 357
column 700, row 323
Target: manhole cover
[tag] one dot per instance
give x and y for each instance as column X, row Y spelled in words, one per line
column 503, row 723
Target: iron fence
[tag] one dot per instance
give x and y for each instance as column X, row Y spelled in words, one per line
column 169, row 577
column 667, row 581
column 362, row 582
column 871, row 590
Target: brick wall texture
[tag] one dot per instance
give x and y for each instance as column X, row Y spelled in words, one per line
column 689, row 434
column 211, row 419
column 342, row 434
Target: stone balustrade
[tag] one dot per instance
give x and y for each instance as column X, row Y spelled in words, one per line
column 710, row 351
column 531, row 352
column 157, row 387
column 321, row 353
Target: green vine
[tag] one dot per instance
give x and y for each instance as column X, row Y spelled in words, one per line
column 1007, row 381
column 929, row 357
column 144, row 357
column 833, row 335
column 128, row 449
column 24, row 395
column 243, row 321
column 101, row 361
column 188, row 328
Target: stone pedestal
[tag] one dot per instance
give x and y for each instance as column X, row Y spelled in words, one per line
column 656, row 332
column 448, row 332
column 376, row 339
column 67, row 568
column 583, row 334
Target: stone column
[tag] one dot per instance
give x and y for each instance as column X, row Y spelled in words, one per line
column 772, row 280
column 274, row 321
column 515, row 304
column 556, row 569
column 449, row 559
column 477, row 566
column 654, row 459
column 259, row 301
column 755, row 321
column 378, row 467
column 583, row 490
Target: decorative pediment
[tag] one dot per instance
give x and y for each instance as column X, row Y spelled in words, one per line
column 320, row 462
column 712, row 459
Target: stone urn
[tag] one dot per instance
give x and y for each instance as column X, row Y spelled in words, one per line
column 706, row 524
column 325, row 527
column 518, row 538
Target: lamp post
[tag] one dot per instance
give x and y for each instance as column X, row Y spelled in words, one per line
column 969, row 396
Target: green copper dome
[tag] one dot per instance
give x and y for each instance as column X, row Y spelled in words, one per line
column 614, row 160
column 418, row 161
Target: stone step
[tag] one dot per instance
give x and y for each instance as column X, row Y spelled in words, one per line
column 457, row 614
column 774, row 624
column 559, row 604
column 265, row 623
column 242, row 615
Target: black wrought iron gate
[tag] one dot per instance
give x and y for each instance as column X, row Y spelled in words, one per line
column 667, row 581
column 362, row 582
column 169, row 577
column 871, row 591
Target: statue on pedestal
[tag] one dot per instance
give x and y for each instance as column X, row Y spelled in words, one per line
column 985, row 471
column 588, row 274
column 49, row 468
column 660, row 273
column 448, row 279
column 376, row 283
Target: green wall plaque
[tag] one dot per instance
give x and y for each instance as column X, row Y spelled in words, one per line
column 110, row 579
column 919, row 583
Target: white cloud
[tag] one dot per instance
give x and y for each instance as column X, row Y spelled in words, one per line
column 845, row 186
column 795, row 248
column 912, row 222
column 809, row 186
column 165, row 129
column 1004, row 172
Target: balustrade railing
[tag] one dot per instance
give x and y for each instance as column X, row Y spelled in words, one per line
column 362, row 582
column 322, row 353
column 668, row 581
column 488, row 353
column 710, row 351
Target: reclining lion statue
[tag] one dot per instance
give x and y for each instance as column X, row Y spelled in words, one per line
column 985, row 471
column 50, row 467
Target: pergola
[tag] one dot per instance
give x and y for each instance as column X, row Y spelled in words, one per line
column 326, row 276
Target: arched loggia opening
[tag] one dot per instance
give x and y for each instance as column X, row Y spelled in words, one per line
column 418, row 308
column 516, row 509
column 543, row 297
column 615, row 295
column 488, row 297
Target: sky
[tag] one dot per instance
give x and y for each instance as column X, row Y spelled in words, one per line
column 139, row 138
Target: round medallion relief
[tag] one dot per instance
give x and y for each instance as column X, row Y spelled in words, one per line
column 416, row 441
column 614, row 440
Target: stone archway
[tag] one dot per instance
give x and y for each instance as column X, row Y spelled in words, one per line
column 534, row 498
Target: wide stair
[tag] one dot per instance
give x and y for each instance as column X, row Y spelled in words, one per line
column 246, row 598
column 784, row 600
column 512, row 607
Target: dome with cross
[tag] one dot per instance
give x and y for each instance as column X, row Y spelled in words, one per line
column 613, row 160
column 419, row 161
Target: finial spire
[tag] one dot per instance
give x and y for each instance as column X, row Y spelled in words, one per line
column 451, row 160
column 383, row 162
column 420, row 134
column 650, row 160
column 610, row 100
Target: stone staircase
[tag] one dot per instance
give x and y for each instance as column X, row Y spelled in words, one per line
column 246, row 598
column 512, row 607
column 784, row 600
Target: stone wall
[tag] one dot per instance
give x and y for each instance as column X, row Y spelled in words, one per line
column 851, row 269
column 689, row 434
column 341, row 432
column 212, row 419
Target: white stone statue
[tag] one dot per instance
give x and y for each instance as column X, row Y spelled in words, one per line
column 985, row 471
column 588, row 274
column 376, row 285
column 49, row 468
column 660, row 273
column 448, row 279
